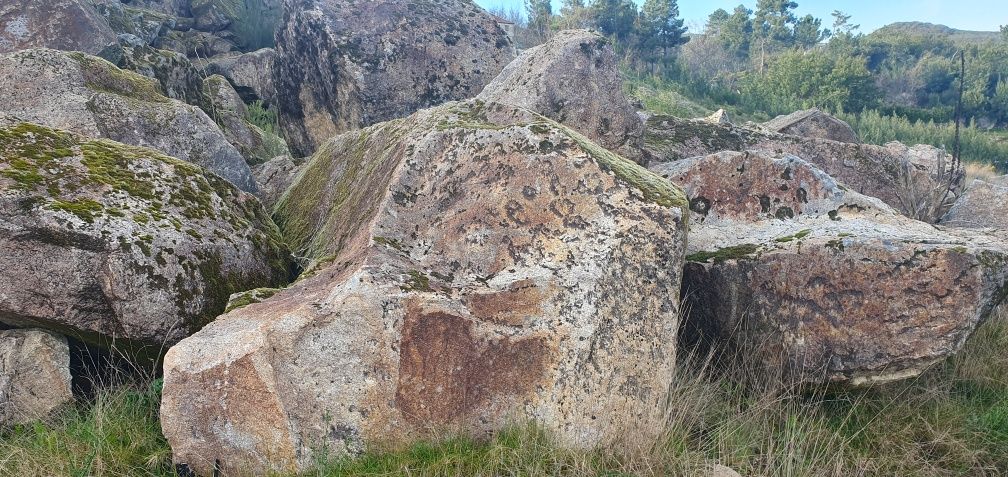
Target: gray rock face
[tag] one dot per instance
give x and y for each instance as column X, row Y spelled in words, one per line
column 573, row 79
column 550, row 293
column 274, row 177
column 150, row 247
column 983, row 205
column 58, row 24
column 229, row 111
column 344, row 64
column 250, row 23
column 34, row 376
column 177, row 76
column 896, row 174
column 801, row 274
column 813, row 123
column 91, row 97
column 251, row 74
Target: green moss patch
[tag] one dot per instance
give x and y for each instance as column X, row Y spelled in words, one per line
column 738, row 252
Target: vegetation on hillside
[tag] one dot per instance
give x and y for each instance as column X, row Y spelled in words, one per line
column 900, row 82
column 952, row 420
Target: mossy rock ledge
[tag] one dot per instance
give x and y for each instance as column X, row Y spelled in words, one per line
column 105, row 241
column 802, row 274
column 468, row 265
column 89, row 96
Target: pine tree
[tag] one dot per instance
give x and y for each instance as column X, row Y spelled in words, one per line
column 661, row 23
column 574, row 14
column 737, row 32
column 540, row 13
column 774, row 21
column 716, row 21
column 614, row 18
column 808, row 32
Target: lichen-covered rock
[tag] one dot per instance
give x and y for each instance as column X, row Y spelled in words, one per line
column 146, row 24
column 178, row 78
column 34, row 375
column 344, row 64
column 227, row 108
column 573, row 79
column 798, row 273
column 813, row 123
column 274, row 177
column 195, row 44
column 58, row 24
column 473, row 265
column 91, row 97
column 249, row 22
column 251, row 74
column 893, row 173
column 149, row 248
column 983, row 205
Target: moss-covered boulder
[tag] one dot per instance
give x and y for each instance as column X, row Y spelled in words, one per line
column 35, row 378
column 92, row 97
column 344, row 64
column 799, row 274
column 573, row 79
column 470, row 265
column 106, row 241
column 177, row 76
column 59, row 24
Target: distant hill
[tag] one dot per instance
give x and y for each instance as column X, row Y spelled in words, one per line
column 921, row 28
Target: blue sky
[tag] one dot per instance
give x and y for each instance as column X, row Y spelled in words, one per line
column 870, row 14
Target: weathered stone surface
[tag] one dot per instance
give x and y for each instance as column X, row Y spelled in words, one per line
column 796, row 271
column 59, row 24
column 173, row 71
column 274, row 177
column 195, row 44
column 813, row 123
column 91, row 97
column 34, row 375
column 983, row 205
column 573, row 79
column 473, row 265
column 227, row 108
column 250, row 23
column 149, row 247
column 146, row 24
column 344, row 64
column 893, row 173
column 251, row 74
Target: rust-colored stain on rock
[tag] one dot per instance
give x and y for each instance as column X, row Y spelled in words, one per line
column 509, row 307
column 446, row 373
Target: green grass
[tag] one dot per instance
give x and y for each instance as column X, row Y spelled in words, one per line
column 951, row 421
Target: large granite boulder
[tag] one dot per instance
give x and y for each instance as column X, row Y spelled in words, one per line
column 145, row 24
column 800, row 274
column 106, row 241
column 910, row 179
column 251, row 74
column 90, row 96
column 59, row 24
column 34, row 376
column 573, row 79
column 813, row 123
column 344, row 64
column 173, row 71
column 982, row 205
column 472, row 265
